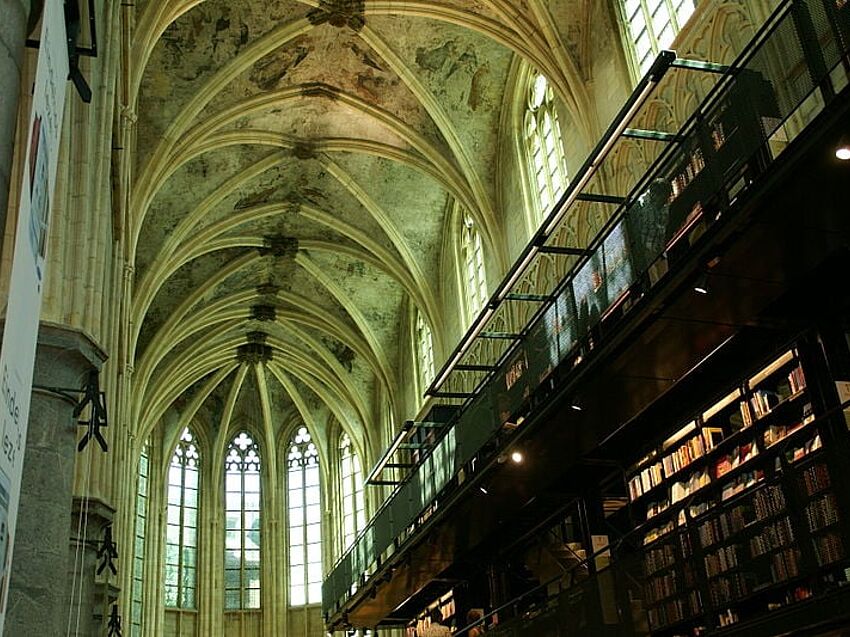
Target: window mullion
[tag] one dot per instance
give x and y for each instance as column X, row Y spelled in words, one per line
column 650, row 28
column 547, row 172
column 243, row 601
column 674, row 19
column 180, row 536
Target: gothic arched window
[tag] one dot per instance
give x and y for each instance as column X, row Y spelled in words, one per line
column 652, row 25
column 473, row 261
column 181, row 531
column 242, row 524
column 304, row 503
column 351, row 477
column 137, row 592
column 544, row 144
column 425, row 351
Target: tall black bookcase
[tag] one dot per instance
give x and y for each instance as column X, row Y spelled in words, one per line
column 743, row 510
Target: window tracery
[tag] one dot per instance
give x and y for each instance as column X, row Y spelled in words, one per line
column 425, row 350
column 242, row 524
column 653, row 25
column 305, row 520
column 181, row 534
column 351, row 478
column 475, row 277
column 544, row 144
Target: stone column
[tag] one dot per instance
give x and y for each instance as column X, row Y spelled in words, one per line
column 13, row 28
column 93, row 594
column 39, row 589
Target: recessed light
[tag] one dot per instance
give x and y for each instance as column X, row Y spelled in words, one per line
column 843, row 152
column 517, row 457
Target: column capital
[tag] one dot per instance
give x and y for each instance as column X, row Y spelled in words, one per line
column 99, row 513
column 129, row 116
column 65, row 355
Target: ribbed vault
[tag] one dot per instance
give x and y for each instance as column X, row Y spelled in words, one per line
column 295, row 163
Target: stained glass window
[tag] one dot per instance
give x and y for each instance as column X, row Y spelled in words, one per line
column 242, row 524
column 181, row 530
column 304, row 503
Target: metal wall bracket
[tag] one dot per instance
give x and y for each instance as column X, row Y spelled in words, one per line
column 651, row 135
column 699, row 65
column 89, row 395
column 108, row 552
column 575, row 252
column 114, row 626
column 517, row 296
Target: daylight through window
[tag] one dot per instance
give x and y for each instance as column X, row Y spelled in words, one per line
column 545, row 146
column 351, row 476
column 653, row 25
column 305, row 520
column 242, row 524
column 181, row 531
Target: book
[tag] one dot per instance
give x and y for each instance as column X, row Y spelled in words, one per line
column 797, row 380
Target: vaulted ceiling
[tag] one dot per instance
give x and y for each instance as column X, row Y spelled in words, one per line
column 295, row 163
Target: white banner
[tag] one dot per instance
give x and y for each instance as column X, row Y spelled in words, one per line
column 23, row 308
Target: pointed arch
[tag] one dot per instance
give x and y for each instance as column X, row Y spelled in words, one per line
column 351, row 492
column 181, row 529
column 304, row 519
column 242, row 536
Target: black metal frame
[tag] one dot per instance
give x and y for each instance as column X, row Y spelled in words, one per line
column 89, row 394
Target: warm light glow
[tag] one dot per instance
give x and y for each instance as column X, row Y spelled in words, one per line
column 517, row 457
column 576, row 407
column 700, row 289
column 843, row 152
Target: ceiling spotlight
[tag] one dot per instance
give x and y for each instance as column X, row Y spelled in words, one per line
column 842, row 151
column 576, row 407
column 517, row 457
column 484, row 490
column 701, row 286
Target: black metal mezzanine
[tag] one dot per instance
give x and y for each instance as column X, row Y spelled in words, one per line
column 541, row 244
column 754, row 90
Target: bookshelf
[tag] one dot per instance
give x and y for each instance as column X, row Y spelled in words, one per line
column 448, row 608
column 736, row 510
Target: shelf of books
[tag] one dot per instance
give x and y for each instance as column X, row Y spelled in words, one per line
column 736, row 510
column 447, row 605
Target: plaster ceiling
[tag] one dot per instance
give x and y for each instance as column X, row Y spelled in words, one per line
column 302, row 155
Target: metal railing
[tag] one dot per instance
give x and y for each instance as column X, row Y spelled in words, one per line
column 799, row 57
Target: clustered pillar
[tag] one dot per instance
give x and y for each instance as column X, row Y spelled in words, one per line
column 43, row 559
